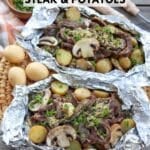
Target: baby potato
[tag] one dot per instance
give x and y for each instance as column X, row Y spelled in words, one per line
column 137, row 57
column 14, row 54
column 36, row 71
column 127, row 124
column 59, row 88
column 74, row 145
column 17, row 76
column 103, row 65
column 101, row 94
column 73, row 14
column 134, row 41
column 125, row 62
column 82, row 64
column 37, row 134
column 82, row 93
column 63, row 57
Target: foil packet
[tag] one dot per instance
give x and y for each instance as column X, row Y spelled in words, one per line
column 16, row 134
column 29, row 39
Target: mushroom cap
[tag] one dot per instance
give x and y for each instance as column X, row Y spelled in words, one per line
column 35, row 106
column 48, row 40
column 85, row 47
column 115, row 133
column 60, row 133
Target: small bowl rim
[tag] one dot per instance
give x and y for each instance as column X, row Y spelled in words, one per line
column 15, row 9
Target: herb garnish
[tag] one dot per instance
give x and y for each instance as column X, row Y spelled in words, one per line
column 38, row 98
column 19, row 5
column 50, row 113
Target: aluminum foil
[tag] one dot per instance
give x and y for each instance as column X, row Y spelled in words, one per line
column 16, row 134
column 132, row 97
column 128, row 85
column 29, row 40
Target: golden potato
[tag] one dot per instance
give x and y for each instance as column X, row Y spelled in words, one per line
column 14, row 54
column 127, row 124
column 63, row 57
column 17, row 76
column 82, row 93
column 37, row 134
column 73, row 14
column 59, row 88
column 101, row 94
column 36, row 71
column 82, row 64
column 74, row 145
column 103, row 65
column 125, row 62
column 137, row 57
column 134, row 41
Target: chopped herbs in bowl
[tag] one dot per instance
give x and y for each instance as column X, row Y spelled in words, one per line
column 19, row 5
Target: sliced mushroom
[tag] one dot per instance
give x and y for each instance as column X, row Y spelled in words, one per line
column 46, row 97
column 35, row 105
column 59, row 136
column 48, row 40
column 115, row 134
column 85, row 47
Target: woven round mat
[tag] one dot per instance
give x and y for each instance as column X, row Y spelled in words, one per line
column 5, row 87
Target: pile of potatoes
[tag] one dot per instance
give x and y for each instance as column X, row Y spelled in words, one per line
column 80, row 93
column 17, row 75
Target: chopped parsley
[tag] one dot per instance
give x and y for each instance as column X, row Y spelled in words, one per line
column 93, row 116
column 38, row 98
column 81, row 119
column 43, row 123
column 19, row 5
column 105, row 112
column 77, row 37
column 50, row 113
column 106, row 30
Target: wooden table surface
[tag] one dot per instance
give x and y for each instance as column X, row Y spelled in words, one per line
column 144, row 6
